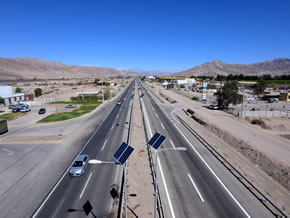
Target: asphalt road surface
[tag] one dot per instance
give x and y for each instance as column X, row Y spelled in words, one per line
column 95, row 185
column 192, row 182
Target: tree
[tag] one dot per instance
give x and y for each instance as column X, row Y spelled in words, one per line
column 259, row 87
column 37, row 92
column 2, row 100
column 18, row 90
column 228, row 94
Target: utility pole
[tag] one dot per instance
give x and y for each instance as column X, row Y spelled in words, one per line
column 242, row 109
column 103, row 91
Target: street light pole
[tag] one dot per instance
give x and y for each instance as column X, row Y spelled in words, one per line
column 156, row 168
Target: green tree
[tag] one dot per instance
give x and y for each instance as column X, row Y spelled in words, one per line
column 18, row 90
column 228, row 94
column 2, row 100
column 259, row 87
column 37, row 92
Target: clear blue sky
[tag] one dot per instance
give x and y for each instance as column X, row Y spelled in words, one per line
column 153, row 35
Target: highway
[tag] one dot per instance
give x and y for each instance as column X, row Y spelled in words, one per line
column 193, row 183
column 98, row 180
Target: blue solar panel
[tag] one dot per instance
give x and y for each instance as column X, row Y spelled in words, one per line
column 120, row 150
column 154, row 138
column 159, row 141
column 126, row 154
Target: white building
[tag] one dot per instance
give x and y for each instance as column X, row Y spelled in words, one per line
column 10, row 98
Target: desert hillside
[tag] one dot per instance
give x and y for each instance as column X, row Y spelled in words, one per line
column 30, row 68
column 280, row 66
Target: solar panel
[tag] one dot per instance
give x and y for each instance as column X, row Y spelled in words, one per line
column 153, row 139
column 159, row 141
column 126, row 154
column 120, row 150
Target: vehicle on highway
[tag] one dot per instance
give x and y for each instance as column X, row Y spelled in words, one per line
column 79, row 165
column 70, row 106
column 213, row 107
column 3, row 126
column 42, row 111
column 25, row 109
column 119, row 102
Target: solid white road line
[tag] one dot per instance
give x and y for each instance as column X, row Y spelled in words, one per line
column 156, row 115
column 174, row 116
column 172, row 144
column 227, row 190
column 145, row 113
column 104, row 144
column 117, row 115
column 162, row 125
column 195, row 187
column 166, row 189
column 86, row 185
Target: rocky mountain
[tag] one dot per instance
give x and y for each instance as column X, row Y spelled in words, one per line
column 30, row 68
column 280, row 66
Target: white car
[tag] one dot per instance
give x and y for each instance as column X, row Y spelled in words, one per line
column 25, row 109
column 119, row 102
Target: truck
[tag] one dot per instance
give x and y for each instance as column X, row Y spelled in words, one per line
column 3, row 126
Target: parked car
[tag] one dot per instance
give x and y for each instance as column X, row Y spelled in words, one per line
column 213, row 107
column 79, row 165
column 25, row 109
column 42, row 111
column 70, row 106
column 15, row 110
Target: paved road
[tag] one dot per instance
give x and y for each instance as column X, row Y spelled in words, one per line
column 192, row 182
column 96, row 183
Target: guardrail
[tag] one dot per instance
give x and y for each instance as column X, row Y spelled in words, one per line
column 152, row 166
column 120, row 206
column 275, row 210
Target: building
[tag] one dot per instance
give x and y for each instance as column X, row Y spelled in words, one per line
column 284, row 96
column 9, row 98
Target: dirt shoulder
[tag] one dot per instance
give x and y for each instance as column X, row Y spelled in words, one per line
column 139, row 179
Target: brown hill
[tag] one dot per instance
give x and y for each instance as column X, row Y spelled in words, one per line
column 280, row 66
column 30, row 68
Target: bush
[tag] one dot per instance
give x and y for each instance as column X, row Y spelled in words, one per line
column 18, row 90
column 260, row 123
column 195, row 98
column 37, row 92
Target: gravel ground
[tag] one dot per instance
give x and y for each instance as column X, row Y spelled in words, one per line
column 139, row 173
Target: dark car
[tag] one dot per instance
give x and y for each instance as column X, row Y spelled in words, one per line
column 15, row 110
column 70, row 106
column 42, row 111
